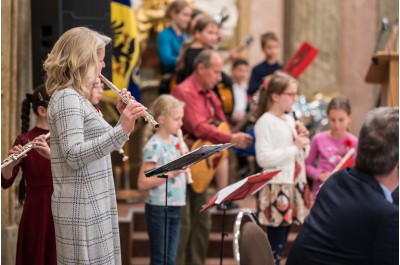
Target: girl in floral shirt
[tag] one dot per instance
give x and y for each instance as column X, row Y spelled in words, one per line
column 163, row 147
column 329, row 147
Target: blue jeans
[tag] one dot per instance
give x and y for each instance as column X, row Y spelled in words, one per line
column 155, row 229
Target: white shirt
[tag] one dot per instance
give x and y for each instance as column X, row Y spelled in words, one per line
column 240, row 97
column 387, row 193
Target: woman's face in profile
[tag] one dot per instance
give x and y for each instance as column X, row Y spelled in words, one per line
column 100, row 64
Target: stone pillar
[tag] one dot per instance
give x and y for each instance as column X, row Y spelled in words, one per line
column 357, row 41
column 316, row 22
column 9, row 95
column 264, row 16
column 8, row 116
column 16, row 81
column 242, row 28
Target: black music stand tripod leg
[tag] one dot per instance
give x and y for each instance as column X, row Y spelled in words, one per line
column 165, row 216
column 223, row 234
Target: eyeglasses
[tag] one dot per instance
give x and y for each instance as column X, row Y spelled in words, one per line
column 98, row 85
column 292, row 94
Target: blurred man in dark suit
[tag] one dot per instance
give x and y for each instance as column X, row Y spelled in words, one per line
column 354, row 220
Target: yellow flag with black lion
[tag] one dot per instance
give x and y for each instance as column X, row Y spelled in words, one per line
column 126, row 49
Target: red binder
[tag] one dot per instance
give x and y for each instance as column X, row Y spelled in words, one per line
column 299, row 62
column 239, row 190
column 348, row 160
column 351, row 162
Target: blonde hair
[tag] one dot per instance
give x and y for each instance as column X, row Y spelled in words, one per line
column 161, row 107
column 73, row 60
column 277, row 84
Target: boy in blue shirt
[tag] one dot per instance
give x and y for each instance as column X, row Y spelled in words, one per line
column 270, row 47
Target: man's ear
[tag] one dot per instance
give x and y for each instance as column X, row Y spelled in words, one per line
column 200, row 68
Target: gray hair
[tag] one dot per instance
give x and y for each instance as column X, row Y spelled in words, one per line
column 378, row 146
column 204, row 58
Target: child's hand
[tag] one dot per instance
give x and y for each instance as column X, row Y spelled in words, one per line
column 185, row 171
column 324, row 176
column 41, row 146
column 15, row 150
column 302, row 130
column 174, row 174
column 7, row 171
column 301, row 142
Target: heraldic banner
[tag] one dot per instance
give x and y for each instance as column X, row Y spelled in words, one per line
column 126, row 49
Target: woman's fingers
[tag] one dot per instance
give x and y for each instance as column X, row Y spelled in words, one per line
column 131, row 113
column 136, row 110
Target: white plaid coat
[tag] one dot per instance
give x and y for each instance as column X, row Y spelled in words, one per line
column 83, row 202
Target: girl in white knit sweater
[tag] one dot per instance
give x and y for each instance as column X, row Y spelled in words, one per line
column 279, row 144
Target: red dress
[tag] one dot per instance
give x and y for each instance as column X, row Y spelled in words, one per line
column 36, row 239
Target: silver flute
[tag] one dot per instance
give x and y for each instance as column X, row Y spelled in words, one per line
column 14, row 157
column 147, row 117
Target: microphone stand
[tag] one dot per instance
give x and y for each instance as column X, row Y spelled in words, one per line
column 384, row 28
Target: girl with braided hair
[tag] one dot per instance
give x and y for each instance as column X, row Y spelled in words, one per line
column 36, row 239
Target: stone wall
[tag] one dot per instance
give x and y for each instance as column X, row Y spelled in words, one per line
column 358, row 33
column 16, row 72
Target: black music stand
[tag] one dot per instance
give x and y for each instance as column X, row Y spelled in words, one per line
column 238, row 191
column 179, row 164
